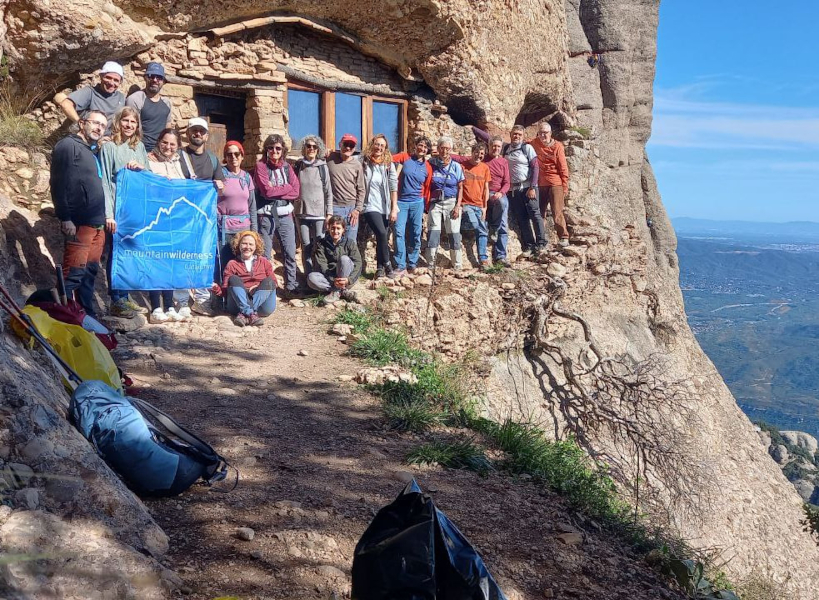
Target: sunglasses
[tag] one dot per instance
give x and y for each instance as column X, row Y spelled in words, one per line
column 311, row 146
column 233, row 154
column 275, row 149
column 157, row 77
column 348, row 145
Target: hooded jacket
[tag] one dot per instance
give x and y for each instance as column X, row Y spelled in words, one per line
column 76, row 183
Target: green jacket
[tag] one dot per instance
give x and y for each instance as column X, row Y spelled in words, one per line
column 327, row 254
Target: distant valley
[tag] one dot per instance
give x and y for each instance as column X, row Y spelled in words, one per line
column 752, row 298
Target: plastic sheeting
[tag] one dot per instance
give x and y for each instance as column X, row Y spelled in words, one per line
column 81, row 349
column 412, row 551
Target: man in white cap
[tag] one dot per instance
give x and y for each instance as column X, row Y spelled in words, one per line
column 104, row 97
column 154, row 109
column 199, row 163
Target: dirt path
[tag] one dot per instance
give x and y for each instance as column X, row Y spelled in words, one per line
column 317, row 462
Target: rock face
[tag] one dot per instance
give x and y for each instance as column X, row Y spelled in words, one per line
column 485, row 64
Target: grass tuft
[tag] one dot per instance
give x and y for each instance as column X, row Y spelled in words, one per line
column 15, row 128
column 411, row 416
column 361, row 321
column 465, row 454
column 494, row 268
column 382, row 347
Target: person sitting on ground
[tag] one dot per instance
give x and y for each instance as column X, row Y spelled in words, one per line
column 553, row 179
column 276, row 187
column 347, row 180
column 154, row 109
column 104, row 97
column 476, row 198
column 124, row 151
column 336, row 263
column 381, row 203
column 445, row 205
column 249, row 282
column 315, row 204
column 236, row 207
column 165, row 160
column 413, row 197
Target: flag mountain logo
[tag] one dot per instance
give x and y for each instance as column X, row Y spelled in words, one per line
column 166, row 211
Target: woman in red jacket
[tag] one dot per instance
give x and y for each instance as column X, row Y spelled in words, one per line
column 249, row 281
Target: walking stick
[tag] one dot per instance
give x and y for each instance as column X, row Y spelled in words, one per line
column 61, row 285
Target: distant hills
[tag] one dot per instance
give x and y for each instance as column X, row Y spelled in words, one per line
column 793, row 232
column 751, row 294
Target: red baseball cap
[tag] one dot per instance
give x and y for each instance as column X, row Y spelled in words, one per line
column 348, row 137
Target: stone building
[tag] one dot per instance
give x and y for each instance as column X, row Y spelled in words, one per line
column 283, row 75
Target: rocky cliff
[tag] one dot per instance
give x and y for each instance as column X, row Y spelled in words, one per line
column 490, row 62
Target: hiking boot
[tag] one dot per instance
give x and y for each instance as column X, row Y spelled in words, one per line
column 411, row 270
column 526, row 254
column 184, row 314
column 157, row 317
column 241, row 320
column 398, row 273
column 330, row 298
column 121, row 310
column 255, row 320
column 485, row 264
column 201, row 308
column 134, row 306
column 505, row 262
column 564, row 242
column 350, row 296
column 380, row 273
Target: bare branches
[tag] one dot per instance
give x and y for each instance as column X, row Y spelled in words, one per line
column 627, row 414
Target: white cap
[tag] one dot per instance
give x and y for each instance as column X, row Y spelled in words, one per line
column 198, row 122
column 112, row 67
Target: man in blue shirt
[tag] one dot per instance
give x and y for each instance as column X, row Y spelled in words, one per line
column 446, row 194
column 414, row 182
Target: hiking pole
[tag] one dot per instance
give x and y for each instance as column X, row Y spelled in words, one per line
column 13, row 309
column 61, row 284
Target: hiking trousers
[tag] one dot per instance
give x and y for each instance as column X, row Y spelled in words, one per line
column 553, row 196
column 285, row 231
column 262, row 300
column 321, row 283
column 527, row 215
column 81, row 263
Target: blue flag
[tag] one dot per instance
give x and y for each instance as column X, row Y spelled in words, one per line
column 166, row 232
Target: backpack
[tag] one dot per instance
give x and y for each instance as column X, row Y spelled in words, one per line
column 72, row 313
column 187, row 165
column 322, row 172
column 152, row 453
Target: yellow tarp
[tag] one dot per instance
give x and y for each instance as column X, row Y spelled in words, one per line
column 79, row 348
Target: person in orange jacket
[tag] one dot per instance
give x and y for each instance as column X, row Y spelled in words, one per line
column 553, row 178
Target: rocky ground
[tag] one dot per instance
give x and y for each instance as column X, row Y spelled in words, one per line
column 317, row 461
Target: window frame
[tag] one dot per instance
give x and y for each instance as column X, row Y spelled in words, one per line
column 327, row 114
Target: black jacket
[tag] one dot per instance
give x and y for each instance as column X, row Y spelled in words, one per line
column 76, row 183
column 327, row 254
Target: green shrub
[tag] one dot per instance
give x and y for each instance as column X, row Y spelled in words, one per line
column 465, row 454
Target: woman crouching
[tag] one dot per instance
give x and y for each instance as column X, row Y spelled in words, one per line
column 249, row 282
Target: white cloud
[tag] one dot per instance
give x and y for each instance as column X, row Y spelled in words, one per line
column 683, row 122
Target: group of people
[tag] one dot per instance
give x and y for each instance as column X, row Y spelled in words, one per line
column 321, row 198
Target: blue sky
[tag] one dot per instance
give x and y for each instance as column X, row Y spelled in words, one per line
column 736, row 110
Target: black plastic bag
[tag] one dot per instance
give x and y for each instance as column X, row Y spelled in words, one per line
column 412, row 551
